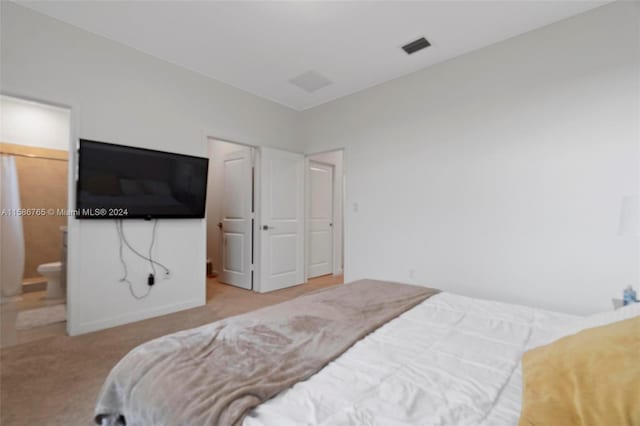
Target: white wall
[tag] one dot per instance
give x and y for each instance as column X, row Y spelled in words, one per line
column 335, row 158
column 215, row 187
column 122, row 96
column 497, row 174
column 17, row 118
column 500, row 173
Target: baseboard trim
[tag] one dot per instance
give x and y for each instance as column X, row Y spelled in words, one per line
column 89, row 327
column 33, row 285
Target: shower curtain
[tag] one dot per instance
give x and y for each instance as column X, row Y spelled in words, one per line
column 11, row 231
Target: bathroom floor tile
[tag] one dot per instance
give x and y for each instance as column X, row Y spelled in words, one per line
column 9, row 336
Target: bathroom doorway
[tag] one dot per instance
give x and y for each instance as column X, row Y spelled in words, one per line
column 34, row 156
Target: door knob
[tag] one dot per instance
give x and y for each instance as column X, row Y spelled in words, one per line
column 266, row 227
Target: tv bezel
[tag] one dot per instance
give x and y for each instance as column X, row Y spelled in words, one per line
column 78, row 211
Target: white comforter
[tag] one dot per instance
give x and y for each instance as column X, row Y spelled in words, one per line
column 451, row 360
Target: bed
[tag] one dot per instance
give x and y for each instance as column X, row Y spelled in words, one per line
column 446, row 360
column 452, row 360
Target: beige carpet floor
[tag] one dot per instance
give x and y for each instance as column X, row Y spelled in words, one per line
column 55, row 381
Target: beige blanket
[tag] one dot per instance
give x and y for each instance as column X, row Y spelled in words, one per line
column 213, row 375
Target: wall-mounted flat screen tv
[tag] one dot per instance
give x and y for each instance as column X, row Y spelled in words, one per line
column 122, row 182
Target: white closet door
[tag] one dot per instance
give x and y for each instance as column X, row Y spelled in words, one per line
column 320, row 219
column 282, row 221
column 237, row 227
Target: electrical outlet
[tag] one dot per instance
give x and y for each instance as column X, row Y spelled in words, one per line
column 412, row 274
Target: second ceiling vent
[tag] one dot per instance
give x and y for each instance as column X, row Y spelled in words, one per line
column 310, row 81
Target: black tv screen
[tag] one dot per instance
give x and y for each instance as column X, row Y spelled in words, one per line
column 116, row 181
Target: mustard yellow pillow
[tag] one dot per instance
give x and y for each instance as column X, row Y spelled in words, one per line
column 591, row 378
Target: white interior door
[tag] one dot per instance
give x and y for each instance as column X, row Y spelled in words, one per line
column 320, row 226
column 237, row 227
column 282, row 219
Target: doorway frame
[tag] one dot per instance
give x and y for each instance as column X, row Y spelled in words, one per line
column 338, row 267
column 256, row 282
column 307, row 217
column 73, row 248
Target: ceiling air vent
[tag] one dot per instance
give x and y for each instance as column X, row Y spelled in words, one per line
column 416, row 45
column 310, row 81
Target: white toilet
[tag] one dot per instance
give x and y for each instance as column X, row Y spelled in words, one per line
column 52, row 272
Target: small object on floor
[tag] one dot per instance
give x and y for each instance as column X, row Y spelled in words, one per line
column 629, row 296
column 40, row 317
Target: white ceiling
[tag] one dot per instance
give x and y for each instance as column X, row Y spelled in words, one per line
column 261, row 46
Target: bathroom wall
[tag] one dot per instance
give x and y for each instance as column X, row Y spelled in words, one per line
column 43, row 184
